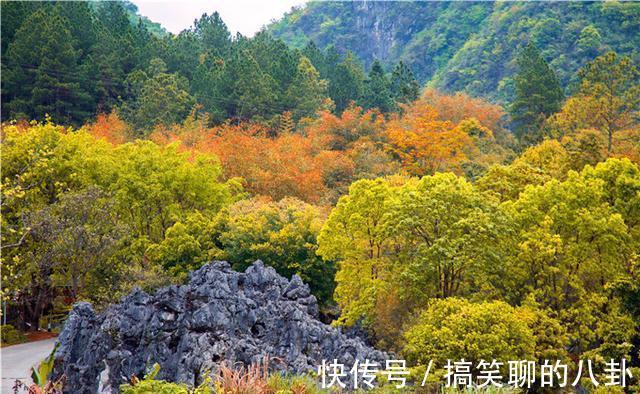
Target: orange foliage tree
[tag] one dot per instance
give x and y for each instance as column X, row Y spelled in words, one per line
column 424, row 143
column 341, row 132
column 110, row 128
column 460, row 106
column 275, row 166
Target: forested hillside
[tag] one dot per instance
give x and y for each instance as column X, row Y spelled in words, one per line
column 468, row 46
column 73, row 60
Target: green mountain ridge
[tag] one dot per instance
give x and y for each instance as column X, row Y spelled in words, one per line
column 468, row 46
column 135, row 17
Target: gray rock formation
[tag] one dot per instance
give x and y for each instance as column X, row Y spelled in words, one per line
column 219, row 316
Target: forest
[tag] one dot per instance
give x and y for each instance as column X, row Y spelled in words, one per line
column 470, row 46
column 443, row 223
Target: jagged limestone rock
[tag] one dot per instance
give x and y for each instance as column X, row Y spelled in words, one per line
column 220, row 316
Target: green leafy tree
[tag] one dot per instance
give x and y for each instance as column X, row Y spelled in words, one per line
column 186, row 246
column 449, row 234
column 621, row 189
column 158, row 98
column 535, row 166
column 614, row 83
column 538, row 94
column 157, row 186
column 80, row 214
column 79, row 234
column 39, row 166
column 571, row 245
column 417, row 233
column 354, row 235
column 283, row 235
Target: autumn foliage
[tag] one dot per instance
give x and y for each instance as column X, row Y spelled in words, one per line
column 110, row 128
column 282, row 166
column 317, row 160
column 424, row 143
column 460, row 106
column 315, row 163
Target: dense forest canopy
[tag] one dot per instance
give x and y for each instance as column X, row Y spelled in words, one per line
column 468, row 46
column 71, row 61
column 435, row 222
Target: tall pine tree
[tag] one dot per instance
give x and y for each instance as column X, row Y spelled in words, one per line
column 377, row 90
column 317, row 58
column 158, row 98
column 307, row 92
column 538, row 95
column 404, row 86
column 346, row 83
column 43, row 73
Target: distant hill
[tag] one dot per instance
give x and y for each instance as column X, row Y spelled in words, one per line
column 468, row 46
column 135, row 18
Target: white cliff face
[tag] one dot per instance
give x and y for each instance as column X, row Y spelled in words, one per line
column 377, row 29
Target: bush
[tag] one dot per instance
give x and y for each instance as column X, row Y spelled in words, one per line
column 455, row 328
column 149, row 385
column 9, row 335
column 254, row 379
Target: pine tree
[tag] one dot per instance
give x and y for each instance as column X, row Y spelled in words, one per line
column 113, row 18
column 80, row 25
column 13, row 14
column 307, row 92
column 404, row 86
column 210, row 87
column 538, row 94
column 158, row 98
column 346, row 83
column 183, row 53
column 43, row 73
column 275, row 59
column 213, row 34
column 248, row 91
column 317, row 58
column 377, row 90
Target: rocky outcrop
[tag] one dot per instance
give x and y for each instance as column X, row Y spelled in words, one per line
column 219, row 316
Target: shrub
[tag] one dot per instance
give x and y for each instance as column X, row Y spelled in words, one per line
column 455, row 328
column 9, row 335
column 253, row 379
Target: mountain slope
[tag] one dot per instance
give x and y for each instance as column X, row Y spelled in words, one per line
column 467, row 46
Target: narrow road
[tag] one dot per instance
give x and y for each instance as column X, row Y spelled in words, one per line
column 17, row 361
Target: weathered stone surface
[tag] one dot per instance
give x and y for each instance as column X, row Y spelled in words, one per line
column 220, row 315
